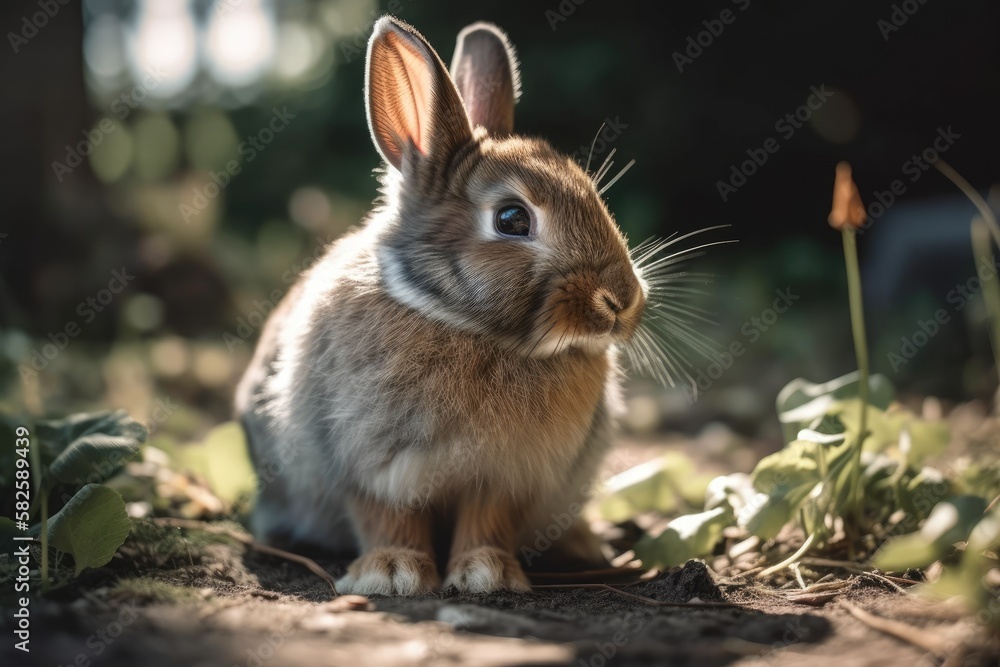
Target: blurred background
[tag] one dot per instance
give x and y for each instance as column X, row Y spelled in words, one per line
column 170, row 167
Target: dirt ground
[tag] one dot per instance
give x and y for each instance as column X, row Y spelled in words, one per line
column 181, row 597
column 230, row 607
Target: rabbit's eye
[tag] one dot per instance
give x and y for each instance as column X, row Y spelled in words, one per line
column 512, row 221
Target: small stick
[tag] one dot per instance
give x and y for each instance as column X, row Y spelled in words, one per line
column 920, row 637
column 641, row 598
column 857, row 568
column 890, row 581
column 250, row 543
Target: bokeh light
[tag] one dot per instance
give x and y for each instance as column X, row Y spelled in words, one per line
column 163, row 43
column 111, row 158
column 104, row 48
column 239, row 41
column 209, row 139
column 157, row 146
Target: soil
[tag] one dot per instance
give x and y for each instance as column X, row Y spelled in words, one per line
column 226, row 606
column 174, row 597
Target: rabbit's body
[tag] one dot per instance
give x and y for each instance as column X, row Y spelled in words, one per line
column 417, row 421
column 446, row 368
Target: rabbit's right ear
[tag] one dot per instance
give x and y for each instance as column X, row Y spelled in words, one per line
column 414, row 110
column 484, row 68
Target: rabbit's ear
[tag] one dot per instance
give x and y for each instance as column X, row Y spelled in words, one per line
column 413, row 107
column 485, row 70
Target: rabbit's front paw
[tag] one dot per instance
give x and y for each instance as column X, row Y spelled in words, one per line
column 391, row 571
column 486, row 569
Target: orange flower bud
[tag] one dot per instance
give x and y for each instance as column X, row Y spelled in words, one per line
column 847, row 211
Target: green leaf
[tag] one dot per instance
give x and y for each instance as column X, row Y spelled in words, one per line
column 8, row 530
column 734, row 491
column 222, row 459
column 766, row 515
column 810, row 435
column 91, row 526
column 56, row 435
column 949, row 522
column 901, row 553
column 920, row 440
column 923, row 492
column 654, row 486
column 900, row 429
column 93, row 458
column 7, row 454
column 881, row 432
column 686, row 537
column 986, row 534
column 788, row 470
column 800, row 403
column 637, row 490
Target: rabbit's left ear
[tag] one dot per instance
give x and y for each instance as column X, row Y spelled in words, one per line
column 414, row 110
column 484, row 69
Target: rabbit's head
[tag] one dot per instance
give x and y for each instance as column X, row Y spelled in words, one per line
column 485, row 230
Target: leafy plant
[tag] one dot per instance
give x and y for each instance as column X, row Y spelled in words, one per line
column 809, row 482
column 855, row 470
column 71, row 510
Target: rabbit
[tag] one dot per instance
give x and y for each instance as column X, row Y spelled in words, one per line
column 438, row 391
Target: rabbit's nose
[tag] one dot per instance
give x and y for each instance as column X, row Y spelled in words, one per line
column 621, row 287
column 611, row 303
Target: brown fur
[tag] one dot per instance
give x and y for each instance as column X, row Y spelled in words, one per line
column 430, row 369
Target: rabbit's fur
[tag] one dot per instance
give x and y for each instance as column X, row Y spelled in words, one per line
column 432, row 392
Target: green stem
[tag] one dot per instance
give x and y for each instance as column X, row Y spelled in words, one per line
column 983, row 252
column 794, row 558
column 974, row 197
column 861, row 352
column 43, row 494
column 45, row 543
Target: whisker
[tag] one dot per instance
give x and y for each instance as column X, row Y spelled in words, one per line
column 699, row 314
column 648, row 248
column 679, row 253
column 678, row 277
column 673, row 238
column 605, row 166
column 615, row 179
column 664, row 290
column 593, row 143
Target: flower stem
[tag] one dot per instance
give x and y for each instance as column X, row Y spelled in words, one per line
column 982, row 250
column 861, row 352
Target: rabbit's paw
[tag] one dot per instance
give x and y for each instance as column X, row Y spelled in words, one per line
column 391, row 571
column 486, row 569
